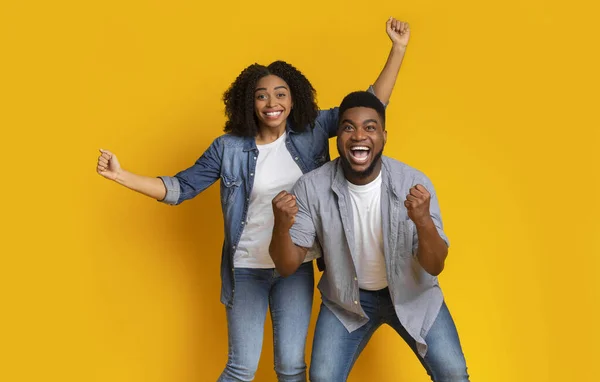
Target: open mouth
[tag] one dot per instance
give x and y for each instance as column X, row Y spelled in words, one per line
column 359, row 154
column 273, row 114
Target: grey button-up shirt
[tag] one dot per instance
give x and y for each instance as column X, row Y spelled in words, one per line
column 325, row 213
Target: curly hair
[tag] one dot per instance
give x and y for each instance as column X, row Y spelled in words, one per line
column 239, row 99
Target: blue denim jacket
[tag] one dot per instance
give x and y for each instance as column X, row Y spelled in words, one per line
column 232, row 159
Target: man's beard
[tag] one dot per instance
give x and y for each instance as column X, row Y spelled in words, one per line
column 349, row 171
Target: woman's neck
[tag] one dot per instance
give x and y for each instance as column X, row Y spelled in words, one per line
column 267, row 134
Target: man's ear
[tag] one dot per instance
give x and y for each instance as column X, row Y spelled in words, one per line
column 384, row 136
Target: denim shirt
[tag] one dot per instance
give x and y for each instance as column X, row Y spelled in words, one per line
column 325, row 213
column 232, row 159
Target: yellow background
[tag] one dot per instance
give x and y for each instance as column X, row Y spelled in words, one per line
column 497, row 102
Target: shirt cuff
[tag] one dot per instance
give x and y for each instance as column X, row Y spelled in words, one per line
column 372, row 91
column 301, row 240
column 173, row 190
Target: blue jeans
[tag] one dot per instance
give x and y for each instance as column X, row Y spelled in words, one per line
column 290, row 302
column 335, row 350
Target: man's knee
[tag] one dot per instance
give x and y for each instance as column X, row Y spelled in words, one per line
column 452, row 375
column 448, row 367
column 325, row 372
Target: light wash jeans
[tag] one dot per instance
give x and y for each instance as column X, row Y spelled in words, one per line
column 290, row 302
column 335, row 350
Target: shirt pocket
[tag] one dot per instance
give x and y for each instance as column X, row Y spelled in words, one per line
column 320, row 160
column 229, row 186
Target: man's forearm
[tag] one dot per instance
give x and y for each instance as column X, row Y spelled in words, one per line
column 384, row 85
column 432, row 250
column 285, row 254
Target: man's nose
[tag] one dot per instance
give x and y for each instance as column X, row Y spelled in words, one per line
column 358, row 134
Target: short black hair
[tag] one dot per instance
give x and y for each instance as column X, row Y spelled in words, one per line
column 239, row 99
column 363, row 99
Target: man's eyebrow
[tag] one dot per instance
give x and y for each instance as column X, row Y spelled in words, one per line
column 369, row 120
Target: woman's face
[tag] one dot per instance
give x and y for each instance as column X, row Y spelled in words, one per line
column 272, row 102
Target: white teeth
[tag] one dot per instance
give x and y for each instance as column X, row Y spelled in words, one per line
column 273, row 113
column 362, row 148
column 359, row 160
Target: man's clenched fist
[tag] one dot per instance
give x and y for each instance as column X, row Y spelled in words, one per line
column 284, row 210
column 417, row 204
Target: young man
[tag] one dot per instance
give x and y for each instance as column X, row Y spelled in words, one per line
column 378, row 222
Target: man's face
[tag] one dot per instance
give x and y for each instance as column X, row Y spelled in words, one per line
column 360, row 141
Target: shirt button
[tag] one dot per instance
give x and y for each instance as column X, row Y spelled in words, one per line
column 296, row 158
column 355, row 302
column 251, row 174
column 234, row 247
column 355, row 278
column 242, row 223
column 254, row 158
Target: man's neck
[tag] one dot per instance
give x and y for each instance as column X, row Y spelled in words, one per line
column 360, row 180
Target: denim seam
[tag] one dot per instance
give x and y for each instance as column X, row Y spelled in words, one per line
column 275, row 333
column 360, row 347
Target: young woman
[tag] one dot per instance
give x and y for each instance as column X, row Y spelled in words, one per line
column 274, row 134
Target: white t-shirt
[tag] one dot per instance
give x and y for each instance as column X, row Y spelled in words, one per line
column 368, row 235
column 275, row 171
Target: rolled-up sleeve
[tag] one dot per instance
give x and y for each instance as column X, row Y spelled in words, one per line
column 303, row 231
column 190, row 182
column 372, row 91
column 173, row 190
